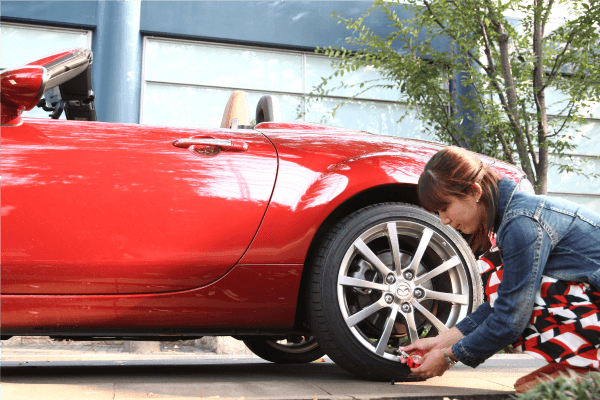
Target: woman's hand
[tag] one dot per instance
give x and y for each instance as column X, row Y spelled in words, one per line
column 422, row 346
column 432, row 364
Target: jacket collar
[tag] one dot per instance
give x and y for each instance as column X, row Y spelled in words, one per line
column 506, row 190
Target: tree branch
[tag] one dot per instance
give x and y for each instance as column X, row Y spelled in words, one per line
column 539, row 95
column 448, row 122
column 571, row 106
column 505, row 147
column 487, row 49
column 547, row 15
column 439, row 23
column 587, row 20
column 560, row 113
column 556, row 132
column 558, row 60
column 511, row 106
column 528, row 136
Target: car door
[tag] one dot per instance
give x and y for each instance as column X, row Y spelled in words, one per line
column 99, row 208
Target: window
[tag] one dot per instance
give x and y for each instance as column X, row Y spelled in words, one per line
column 576, row 187
column 188, row 83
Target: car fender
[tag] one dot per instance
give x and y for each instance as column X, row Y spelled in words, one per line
column 304, row 198
column 350, row 177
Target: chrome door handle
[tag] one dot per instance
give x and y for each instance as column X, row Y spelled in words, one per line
column 225, row 145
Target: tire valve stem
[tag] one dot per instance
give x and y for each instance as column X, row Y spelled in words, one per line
column 413, row 360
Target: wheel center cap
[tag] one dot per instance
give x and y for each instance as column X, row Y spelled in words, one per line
column 403, row 290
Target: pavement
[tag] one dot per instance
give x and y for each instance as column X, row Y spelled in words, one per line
column 73, row 351
column 106, row 371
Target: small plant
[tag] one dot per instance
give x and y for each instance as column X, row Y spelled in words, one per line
column 509, row 350
column 572, row 387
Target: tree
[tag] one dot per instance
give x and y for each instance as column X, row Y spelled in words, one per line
column 494, row 79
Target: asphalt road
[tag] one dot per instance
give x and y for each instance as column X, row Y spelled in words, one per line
column 247, row 378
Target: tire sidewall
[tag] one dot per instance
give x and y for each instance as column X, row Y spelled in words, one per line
column 266, row 350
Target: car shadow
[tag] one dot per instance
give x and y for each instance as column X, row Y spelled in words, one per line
column 214, row 370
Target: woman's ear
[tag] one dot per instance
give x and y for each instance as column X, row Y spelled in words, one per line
column 477, row 191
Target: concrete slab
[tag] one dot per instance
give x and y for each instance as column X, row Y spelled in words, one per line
column 104, row 371
column 23, row 391
column 247, row 378
column 250, row 390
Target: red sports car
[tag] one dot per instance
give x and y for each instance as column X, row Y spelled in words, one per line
column 299, row 239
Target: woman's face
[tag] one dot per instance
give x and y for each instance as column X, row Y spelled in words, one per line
column 463, row 214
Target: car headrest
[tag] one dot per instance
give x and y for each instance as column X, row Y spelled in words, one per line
column 236, row 108
column 268, row 109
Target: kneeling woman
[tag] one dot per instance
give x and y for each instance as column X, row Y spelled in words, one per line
column 538, row 239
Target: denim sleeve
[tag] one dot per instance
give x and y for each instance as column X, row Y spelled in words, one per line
column 473, row 320
column 525, row 249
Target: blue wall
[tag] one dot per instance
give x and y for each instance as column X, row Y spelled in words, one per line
column 295, row 24
column 118, row 28
column 63, row 13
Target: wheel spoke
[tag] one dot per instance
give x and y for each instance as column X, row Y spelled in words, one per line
column 387, row 331
column 423, row 244
column 449, row 297
column 392, row 232
column 364, row 313
column 348, row 281
column 445, row 266
column 430, row 317
column 411, row 326
column 371, row 257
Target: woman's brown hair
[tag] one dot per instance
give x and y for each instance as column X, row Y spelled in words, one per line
column 453, row 171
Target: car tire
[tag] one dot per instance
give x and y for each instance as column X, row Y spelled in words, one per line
column 305, row 351
column 362, row 309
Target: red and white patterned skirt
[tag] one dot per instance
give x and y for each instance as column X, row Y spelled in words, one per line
column 565, row 323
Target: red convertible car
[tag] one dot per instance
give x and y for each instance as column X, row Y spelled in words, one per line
column 299, row 239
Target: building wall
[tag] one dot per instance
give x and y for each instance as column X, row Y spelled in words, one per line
column 73, row 14
column 175, row 63
column 289, row 24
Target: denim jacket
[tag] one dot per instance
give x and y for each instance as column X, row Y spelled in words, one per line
column 537, row 236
